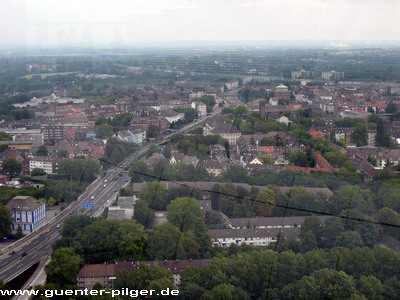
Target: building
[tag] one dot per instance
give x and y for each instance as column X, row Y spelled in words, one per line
column 52, row 133
column 213, row 167
column 281, row 88
column 194, row 96
column 230, row 85
column 27, row 213
column 332, row 75
column 225, row 130
column 146, row 122
column 249, row 236
column 200, row 107
column 47, row 164
column 302, row 74
column 89, row 275
column 271, row 222
column 104, row 274
column 132, row 136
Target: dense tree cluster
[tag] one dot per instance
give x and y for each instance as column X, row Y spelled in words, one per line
column 339, row 273
column 79, row 169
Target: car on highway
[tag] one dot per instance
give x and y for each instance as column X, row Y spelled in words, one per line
column 47, row 230
column 58, row 225
column 92, row 197
column 115, row 190
column 105, row 181
column 104, row 185
column 11, row 252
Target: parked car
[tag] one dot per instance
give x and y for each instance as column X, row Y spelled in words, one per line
column 11, row 252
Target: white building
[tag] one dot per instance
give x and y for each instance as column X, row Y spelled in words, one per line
column 225, row 130
column 49, row 165
column 200, row 94
column 27, row 213
column 249, row 236
column 132, row 136
column 200, row 107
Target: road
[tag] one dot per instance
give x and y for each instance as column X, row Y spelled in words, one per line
column 102, row 193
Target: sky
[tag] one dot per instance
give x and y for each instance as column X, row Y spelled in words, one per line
column 119, row 23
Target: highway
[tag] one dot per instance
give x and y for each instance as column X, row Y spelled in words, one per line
column 102, row 192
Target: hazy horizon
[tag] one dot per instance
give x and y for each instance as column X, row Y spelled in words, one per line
column 122, row 23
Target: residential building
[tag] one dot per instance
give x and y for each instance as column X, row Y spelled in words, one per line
column 249, row 236
column 194, row 96
column 214, row 167
column 89, row 275
column 132, row 136
column 270, row 222
column 225, row 130
column 302, row 74
column 53, row 133
column 48, row 164
column 332, row 75
column 200, row 107
column 27, row 213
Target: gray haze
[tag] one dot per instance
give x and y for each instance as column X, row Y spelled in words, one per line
column 88, row 23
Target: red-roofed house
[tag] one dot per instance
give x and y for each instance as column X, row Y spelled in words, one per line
column 89, row 275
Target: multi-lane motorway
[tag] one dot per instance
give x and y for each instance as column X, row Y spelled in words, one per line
column 102, row 193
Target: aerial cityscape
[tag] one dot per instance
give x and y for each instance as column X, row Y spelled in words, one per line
column 184, row 168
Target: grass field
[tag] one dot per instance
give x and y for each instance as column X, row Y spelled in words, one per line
column 44, row 75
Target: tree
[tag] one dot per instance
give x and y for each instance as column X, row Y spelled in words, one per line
column 12, row 166
column 38, row 172
column 42, row 151
column 62, row 153
column 139, row 171
column 371, row 287
column 334, row 284
column 360, row 135
column 104, row 131
column 391, row 108
column 166, row 242
column 167, row 152
column 382, row 136
column 308, row 242
column 145, row 277
column 222, row 292
column 153, row 131
column 265, row 203
column 349, row 239
column 155, row 194
column 79, row 169
column 304, row 289
column 20, row 232
column 184, row 212
column 64, row 265
column 389, row 216
column 143, row 214
column 73, row 224
column 298, row 159
column 348, row 197
column 126, row 192
column 267, row 160
column 51, row 201
column 5, row 221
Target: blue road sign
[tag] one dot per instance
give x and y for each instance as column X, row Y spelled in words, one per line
column 87, row 205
